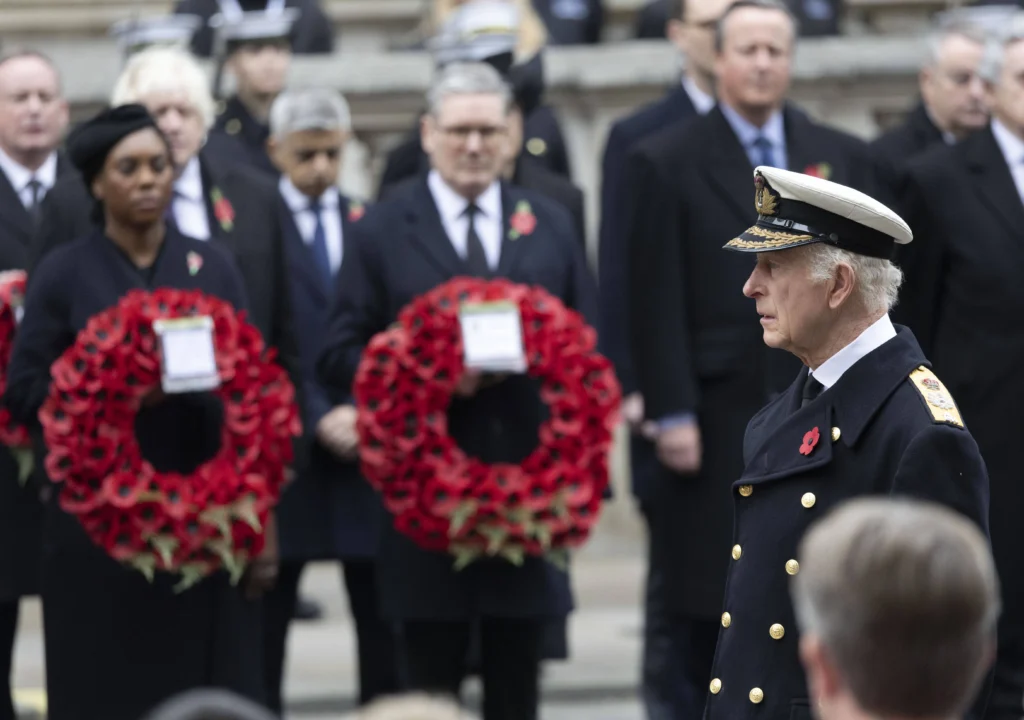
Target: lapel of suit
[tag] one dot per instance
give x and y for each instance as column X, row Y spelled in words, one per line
column 172, row 264
column 801, row 149
column 678, row 103
column 427, row 233
column 512, row 244
column 992, row 181
column 12, row 212
column 925, row 131
column 303, row 260
column 729, row 170
column 212, row 187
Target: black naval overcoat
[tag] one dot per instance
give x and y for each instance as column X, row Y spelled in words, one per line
column 887, row 427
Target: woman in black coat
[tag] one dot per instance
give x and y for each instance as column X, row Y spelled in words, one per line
column 116, row 644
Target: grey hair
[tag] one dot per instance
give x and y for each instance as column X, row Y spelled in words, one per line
column 165, row 70
column 311, row 109
column 761, row 4
column 904, row 596
column 995, row 48
column 966, row 30
column 476, row 78
column 878, row 280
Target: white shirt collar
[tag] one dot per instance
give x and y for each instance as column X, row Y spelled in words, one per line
column 451, row 205
column 19, row 175
column 1011, row 145
column 189, row 184
column 298, row 201
column 702, row 102
column 879, row 333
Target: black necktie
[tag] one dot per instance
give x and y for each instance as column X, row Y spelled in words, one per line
column 36, row 189
column 812, row 389
column 476, row 259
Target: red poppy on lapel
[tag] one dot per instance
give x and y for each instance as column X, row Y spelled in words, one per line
column 819, row 170
column 195, row 261
column 811, row 438
column 523, row 221
column 356, row 210
column 222, row 210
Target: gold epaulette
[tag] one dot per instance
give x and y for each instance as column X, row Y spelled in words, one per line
column 936, row 397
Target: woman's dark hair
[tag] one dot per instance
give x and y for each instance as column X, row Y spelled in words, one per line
column 209, row 704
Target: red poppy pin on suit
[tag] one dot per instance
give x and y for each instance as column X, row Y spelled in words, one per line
column 522, row 222
column 811, row 438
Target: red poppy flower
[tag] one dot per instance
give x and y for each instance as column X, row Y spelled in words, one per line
column 811, row 438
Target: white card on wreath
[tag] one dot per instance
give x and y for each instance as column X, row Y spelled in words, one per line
column 492, row 337
column 187, row 360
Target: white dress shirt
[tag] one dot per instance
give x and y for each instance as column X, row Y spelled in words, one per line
column 489, row 224
column 702, row 102
column 880, row 332
column 189, row 205
column 1013, row 152
column 305, row 219
column 19, row 176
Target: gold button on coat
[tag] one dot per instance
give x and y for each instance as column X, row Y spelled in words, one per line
column 777, row 631
column 726, row 619
column 746, row 490
column 808, row 500
column 756, row 695
column 536, row 146
column 737, row 552
column 716, row 686
column 792, row 567
column 836, row 434
column 233, row 126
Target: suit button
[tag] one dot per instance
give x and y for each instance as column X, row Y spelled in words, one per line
column 777, row 631
column 808, row 500
column 746, row 490
column 792, row 567
column 716, row 686
column 737, row 552
column 756, row 696
column 726, row 619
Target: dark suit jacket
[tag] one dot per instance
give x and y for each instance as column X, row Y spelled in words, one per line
column 534, row 175
column 311, row 34
column 697, row 345
column 241, row 138
column 571, row 22
column 330, row 511
column 908, row 140
column 651, row 20
column 890, row 444
column 396, row 253
column 21, row 513
column 254, row 237
column 618, row 200
column 962, row 299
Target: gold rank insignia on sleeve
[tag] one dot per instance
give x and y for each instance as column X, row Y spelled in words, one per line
column 936, row 397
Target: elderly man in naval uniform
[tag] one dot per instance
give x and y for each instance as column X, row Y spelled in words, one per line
column 866, row 416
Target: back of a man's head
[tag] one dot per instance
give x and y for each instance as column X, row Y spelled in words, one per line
column 897, row 603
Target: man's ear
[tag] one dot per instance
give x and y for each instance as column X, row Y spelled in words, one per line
column 844, row 281
column 427, row 124
column 823, row 681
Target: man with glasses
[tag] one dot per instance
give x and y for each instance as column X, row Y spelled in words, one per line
column 455, row 222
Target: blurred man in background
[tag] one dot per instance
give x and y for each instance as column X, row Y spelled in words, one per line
column 312, row 32
column 33, row 118
column 963, row 302
column 897, row 603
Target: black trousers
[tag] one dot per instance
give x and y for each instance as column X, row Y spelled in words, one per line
column 510, row 651
column 375, row 638
column 8, row 629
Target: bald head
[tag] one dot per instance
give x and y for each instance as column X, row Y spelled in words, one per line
column 33, row 112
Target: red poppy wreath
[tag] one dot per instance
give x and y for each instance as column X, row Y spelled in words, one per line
column 12, row 294
column 190, row 525
column 448, row 501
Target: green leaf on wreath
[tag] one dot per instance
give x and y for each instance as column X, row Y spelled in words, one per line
column 190, row 575
column 559, row 506
column 165, row 547
column 464, row 555
column 25, row 460
column 514, row 554
column 245, row 510
column 459, row 518
column 518, row 516
column 145, row 564
column 559, row 558
column 219, row 518
column 496, row 537
column 542, row 533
